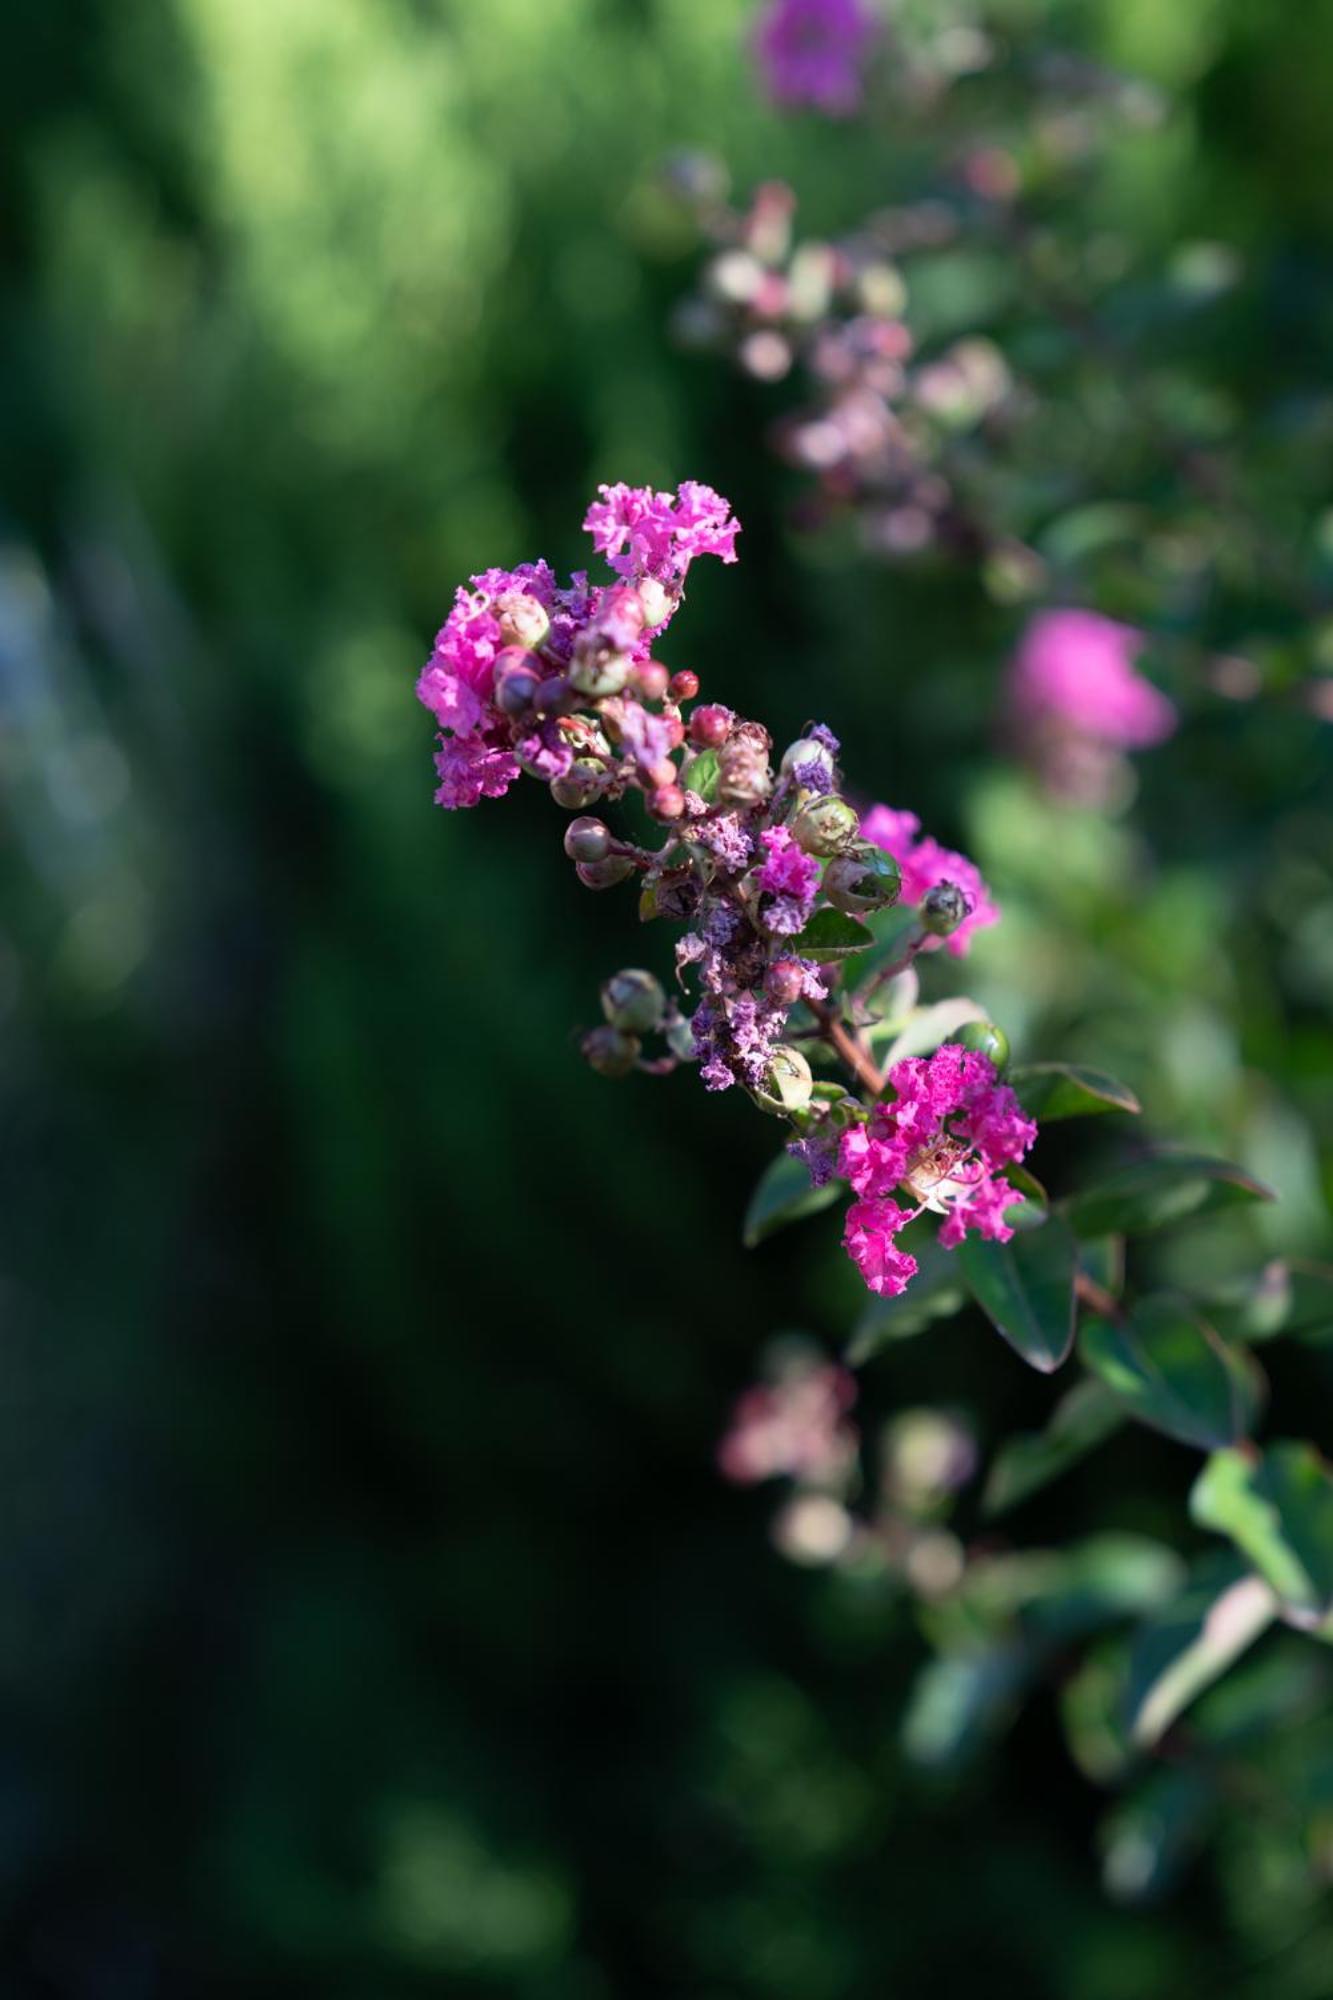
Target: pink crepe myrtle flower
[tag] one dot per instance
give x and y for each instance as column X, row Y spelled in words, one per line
column 651, row 539
column 646, row 534
column 789, row 879
column 944, row 1138
column 925, row 864
column 1075, row 670
column 795, row 1427
column 813, row 52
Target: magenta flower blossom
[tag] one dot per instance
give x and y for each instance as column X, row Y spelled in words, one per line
column 646, row 534
column 925, row 864
column 944, row 1139
column 813, row 52
column 795, row 1427
column 789, row 879
column 522, row 618
column 1075, row 669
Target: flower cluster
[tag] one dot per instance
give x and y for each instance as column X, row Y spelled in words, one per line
column 944, row 1139
column 794, row 1426
column 770, row 870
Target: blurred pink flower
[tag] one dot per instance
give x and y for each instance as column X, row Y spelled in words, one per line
column 1075, row 669
column 814, row 52
column 795, row 1427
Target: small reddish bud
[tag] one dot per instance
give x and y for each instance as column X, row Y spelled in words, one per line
column 587, row 839
column 710, row 726
column 652, row 679
column 683, row 686
column 667, row 803
column 784, row 982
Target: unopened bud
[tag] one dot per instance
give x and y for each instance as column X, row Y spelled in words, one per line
column 604, row 874
column 743, row 774
column 609, row 1052
column 661, row 773
column 666, row 804
column 784, row 982
column 587, row 840
column 808, row 750
column 710, row 726
column 788, row 1083
column 634, row 1002
column 867, row 880
column 943, row 908
column 579, row 786
column 523, row 618
column 825, row 825
column 683, row 686
column 985, row 1039
column 516, row 683
column 656, row 601
column 595, row 671
column 651, row 679
column 554, row 695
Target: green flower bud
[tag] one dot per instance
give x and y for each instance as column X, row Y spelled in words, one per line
column 581, row 784
column 597, row 672
column 604, row 874
column 587, row 840
column 609, row 1052
column 866, row 880
column 633, row 1001
column 825, row 825
column 985, row 1039
column 943, row 908
column 788, row 1084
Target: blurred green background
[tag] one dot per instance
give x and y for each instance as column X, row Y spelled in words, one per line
column 374, row 1621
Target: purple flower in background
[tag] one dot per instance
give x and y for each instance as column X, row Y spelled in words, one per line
column 1075, row 670
column 813, row 52
column 925, row 864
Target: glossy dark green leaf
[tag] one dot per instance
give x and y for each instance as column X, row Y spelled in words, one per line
column 1167, row 1188
column 1068, row 1090
column 783, row 1194
column 1189, row 1644
column 1079, row 1423
column 831, row 935
column 1311, row 1314
column 1102, row 1258
column 1277, row 1507
column 1026, row 1289
column 962, row 1701
column 1171, row 1371
column 1149, row 1837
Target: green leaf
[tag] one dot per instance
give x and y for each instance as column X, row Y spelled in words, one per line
column 1067, row 1090
column 1079, row 1423
column 1026, row 1289
column 783, row 1194
column 960, row 1702
column 1277, row 1507
column 935, row 1293
column 831, row 935
column 1164, row 1189
column 891, row 929
column 1254, row 1307
column 931, row 1026
column 700, row 774
column 1311, row 1316
column 1149, row 1837
column 1190, row 1644
column 1171, row 1371
column 1103, row 1260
